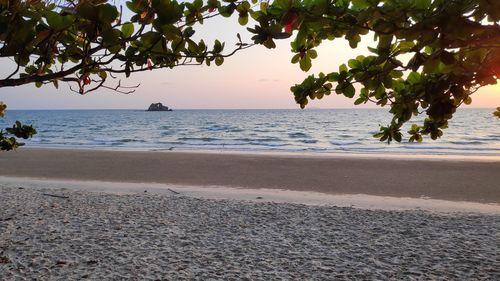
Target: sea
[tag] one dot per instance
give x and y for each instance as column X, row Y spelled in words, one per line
column 473, row 132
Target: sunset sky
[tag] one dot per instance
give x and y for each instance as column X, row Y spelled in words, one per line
column 254, row 78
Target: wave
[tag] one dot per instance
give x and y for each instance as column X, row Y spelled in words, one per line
column 309, row 141
column 342, row 143
column 51, row 131
column 204, row 139
column 167, row 133
column 467, row 142
column 170, row 142
column 297, row 135
column 346, row 136
column 268, row 144
column 461, row 148
column 224, row 128
column 265, row 139
column 132, row 140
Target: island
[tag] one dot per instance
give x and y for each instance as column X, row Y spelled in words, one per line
column 158, row 107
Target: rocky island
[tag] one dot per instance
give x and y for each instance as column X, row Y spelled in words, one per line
column 158, row 107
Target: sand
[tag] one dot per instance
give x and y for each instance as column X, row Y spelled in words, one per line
column 61, row 234
column 452, row 179
column 108, row 215
column 312, row 198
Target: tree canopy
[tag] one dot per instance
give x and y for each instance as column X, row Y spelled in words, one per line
column 429, row 56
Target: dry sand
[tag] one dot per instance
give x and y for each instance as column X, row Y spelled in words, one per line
column 89, row 235
column 476, row 181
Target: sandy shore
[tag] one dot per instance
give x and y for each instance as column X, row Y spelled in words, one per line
column 61, row 234
column 311, row 198
column 455, row 180
column 104, row 215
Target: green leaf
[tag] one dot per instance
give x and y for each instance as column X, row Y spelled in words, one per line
column 431, row 65
column 359, row 101
column 422, row 4
column 312, row 54
column 497, row 112
column 106, row 13
column 103, row 74
column 127, row 29
column 269, row 43
column 243, row 20
column 468, row 100
column 169, row 12
column 332, row 77
column 305, row 63
column 406, row 46
column 349, row 91
column 219, row 61
column 354, row 40
column 353, row 63
column 136, row 6
column 385, row 41
column 413, row 78
column 360, row 4
column 57, row 21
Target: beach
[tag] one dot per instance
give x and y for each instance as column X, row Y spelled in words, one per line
column 455, row 179
column 115, row 215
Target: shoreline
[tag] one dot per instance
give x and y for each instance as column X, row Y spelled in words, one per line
column 472, row 157
column 450, row 180
column 245, row 195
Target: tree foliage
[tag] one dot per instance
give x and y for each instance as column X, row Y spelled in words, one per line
column 8, row 139
column 430, row 56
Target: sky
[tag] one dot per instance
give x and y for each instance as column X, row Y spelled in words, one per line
column 253, row 78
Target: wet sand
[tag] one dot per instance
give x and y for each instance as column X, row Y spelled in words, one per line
column 444, row 179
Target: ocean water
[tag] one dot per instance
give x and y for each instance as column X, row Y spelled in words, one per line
column 472, row 131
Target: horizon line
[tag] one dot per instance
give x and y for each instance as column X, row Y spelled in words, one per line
column 287, row 108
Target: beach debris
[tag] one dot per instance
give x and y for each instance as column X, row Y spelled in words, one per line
column 4, row 259
column 20, row 187
column 55, row 195
column 173, row 191
column 259, row 197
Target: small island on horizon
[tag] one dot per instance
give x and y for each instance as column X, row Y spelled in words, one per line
column 158, row 107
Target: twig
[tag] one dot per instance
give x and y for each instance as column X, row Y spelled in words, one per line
column 173, row 191
column 54, row 195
